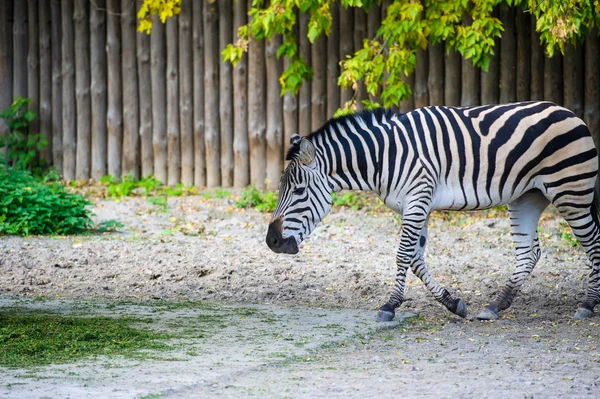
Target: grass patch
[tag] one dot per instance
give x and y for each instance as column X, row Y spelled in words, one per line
column 40, row 339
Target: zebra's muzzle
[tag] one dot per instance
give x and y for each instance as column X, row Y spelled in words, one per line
column 277, row 243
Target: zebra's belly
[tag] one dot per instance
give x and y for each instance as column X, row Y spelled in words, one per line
column 469, row 198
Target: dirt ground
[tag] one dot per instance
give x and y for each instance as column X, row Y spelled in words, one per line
column 206, row 249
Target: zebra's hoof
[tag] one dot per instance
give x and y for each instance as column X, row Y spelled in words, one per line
column 582, row 313
column 488, row 314
column 461, row 308
column 384, row 315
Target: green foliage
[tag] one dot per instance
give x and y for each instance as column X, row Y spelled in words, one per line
column 33, row 340
column 109, row 226
column 21, row 146
column 30, row 206
column 251, row 197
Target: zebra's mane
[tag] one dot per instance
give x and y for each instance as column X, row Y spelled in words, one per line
column 366, row 115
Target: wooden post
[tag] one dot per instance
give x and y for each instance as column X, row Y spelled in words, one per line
column 33, row 65
column 274, row 115
column 471, row 84
column 226, row 94
column 45, row 77
column 553, row 75
column 591, row 113
column 68, row 91
column 145, row 94
column 318, row 85
column 241, row 165
column 360, row 33
column 508, row 54
column 186, row 93
column 408, row 104
column 114, row 117
column 211, row 95
column 256, row 113
column 304, row 96
column 523, row 21
column 373, row 23
column 333, row 67
column 346, row 45
column 452, row 74
column 158, row 67
column 98, row 87
column 5, row 67
column 57, row 126
column 435, row 80
column 290, row 115
column 490, row 87
column 537, row 64
column 173, row 138
column 198, row 50
column 20, row 49
column 421, row 93
column 82, row 82
column 573, row 79
column 131, row 139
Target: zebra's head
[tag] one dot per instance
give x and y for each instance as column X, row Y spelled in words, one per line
column 304, row 198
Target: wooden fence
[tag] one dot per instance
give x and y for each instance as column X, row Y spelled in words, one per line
column 115, row 101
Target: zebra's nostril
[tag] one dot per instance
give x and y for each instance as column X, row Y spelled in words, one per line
column 274, row 241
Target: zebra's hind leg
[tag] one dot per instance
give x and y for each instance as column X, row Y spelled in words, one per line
column 524, row 216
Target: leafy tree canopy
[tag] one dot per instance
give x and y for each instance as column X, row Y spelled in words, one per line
column 409, row 25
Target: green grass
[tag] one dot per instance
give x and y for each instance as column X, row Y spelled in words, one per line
column 33, row 339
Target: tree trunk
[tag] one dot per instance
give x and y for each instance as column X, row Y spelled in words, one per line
column 82, row 82
column 173, row 138
column 333, row 68
column 274, row 115
column 373, row 23
column 159, row 99
column 256, row 113
column 591, row 114
column 145, row 94
column 211, row 94
column 490, row 87
column 452, row 85
column 241, row 165
column 5, row 67
column 57, row 126
column 508, row 53
column 360, row 33
column 226, row 94
column 346, row 45
column 537, row 64
column 68, row 91
column 186, row 100
column 131, row 139
column 523, row 50
column 318, row 85
column 198, row 52
column 98, row 88
column 20, row 49
column 33, row 65
column 435, row 80
column 573, row 78
column 421, row 94
column 114, row 116
column 471, row 84
column 304, row 97
column 553, row 79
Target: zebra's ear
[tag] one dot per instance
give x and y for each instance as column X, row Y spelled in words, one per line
column 307, row 152
column 295, row 139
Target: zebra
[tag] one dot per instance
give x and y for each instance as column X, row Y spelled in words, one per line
column 525, row 155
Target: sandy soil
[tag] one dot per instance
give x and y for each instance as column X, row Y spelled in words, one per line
column 205, row 249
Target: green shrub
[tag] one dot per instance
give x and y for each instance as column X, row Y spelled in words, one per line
column 251, row 197
column 32, row 206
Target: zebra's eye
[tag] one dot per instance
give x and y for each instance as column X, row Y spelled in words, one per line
column 299, row 190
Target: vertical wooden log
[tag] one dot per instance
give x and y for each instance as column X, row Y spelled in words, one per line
column 57, row 126
column 198, row 50
column 508, row 54
column 553, row 75
column 98, row 87
column 131, row 138
column 68, row 91
column 346, row 45
column 256, row 113
column 523, row 53
column 158, row 67
column 173, row 138
column 82, row 82
column 333, row 67
column 435, row 80
column 373, row 23
column 5, row 67
column 241, row 165
column 490, row 80
column 211, row 94
column 20, row 49
column 145, row 95
column 226, row 94
column 452, row 73
column 304, row 96
column 114, row 116
column 360, row 33
column 591, row 113
column 290, row 114
column 318, row 85
column 408, row 104
column 471, row 84
column 573, row 79
column 274, row 115
column 33, row 65
column 45, row 79
column 537, row 64
column 421, row 92
column 186, row 100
